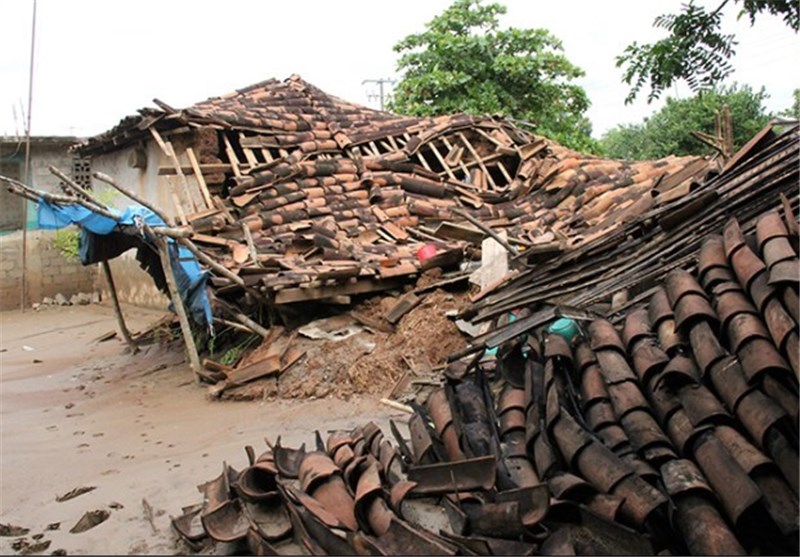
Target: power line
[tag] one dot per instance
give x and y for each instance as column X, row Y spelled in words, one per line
column 380, row 83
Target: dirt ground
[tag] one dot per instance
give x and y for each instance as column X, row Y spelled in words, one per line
column 79, row 413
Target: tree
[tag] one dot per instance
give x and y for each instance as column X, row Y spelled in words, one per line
column 695, row 49
column 667, row 132
column 464, row 62
column 794, row 110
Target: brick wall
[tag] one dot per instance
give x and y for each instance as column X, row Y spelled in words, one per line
column 48, row 271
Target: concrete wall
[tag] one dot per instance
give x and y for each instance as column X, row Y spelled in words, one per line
column 12, row 160
column 133, row 285
column 48, row 271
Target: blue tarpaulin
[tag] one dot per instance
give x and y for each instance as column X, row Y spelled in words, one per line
column 101, row 240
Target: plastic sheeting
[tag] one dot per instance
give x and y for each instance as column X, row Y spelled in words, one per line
column 101, row 240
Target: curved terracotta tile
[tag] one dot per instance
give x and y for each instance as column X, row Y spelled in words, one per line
column 717, row 276
column 626, row 397
column 606, row 506
column 664, row 401
column 732, row 303
column 636, row 328
column 732, row 236
column 288, row 460
column 784, row 273
column 600, row 414
column 746, row 454
column 656, row 455
column 722, row 472
column 747, row 266
column 421, row 442
column 613, row 437
column 641, row 468
column 335, row 440
column 785, row 396
column 670, row 339
column 439, row 410
column 770, row 225
column 659, row 308
column 603, row 336
column 257, row 482
column 704, row 530
column 544, row 456
column 712, row 255
column 729, row 381
column 758, row 414
column 333, row 495
column 761, row 292
column 614, row 366
column 776, row 250
column 791, row 302
column 593, row 386
column 556, row 346
column 648, row 360
column 679, row 371
column 227, row 522
column 565, row 485
column 727, row 286
column 705, row 346
column 315, row 468
column 643, row 430
column 601, row 467
column 521, row 471
column 512, row 420
column 682, row 475
column 692, row 309
column 680, row 283
column 682, row 433
column 584, row 355
column 571, row 438
column 744, row 327
column 701, row 406
column 641, row 499
column 511, row 398
column 759, row 356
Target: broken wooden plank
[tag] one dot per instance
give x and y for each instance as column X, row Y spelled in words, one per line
column 370, row 323
column 405, row 303
column 290, row 295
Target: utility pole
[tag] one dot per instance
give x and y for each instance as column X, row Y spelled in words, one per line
column 380, row 83
column 23, row 294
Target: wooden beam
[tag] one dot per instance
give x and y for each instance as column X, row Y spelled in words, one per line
column 198, row 175
column 232, row 158
column 177, row 302
column 478, row 158
column 359, row 287
column 123, row 329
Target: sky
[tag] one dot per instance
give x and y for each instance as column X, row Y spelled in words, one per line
column 97, row 61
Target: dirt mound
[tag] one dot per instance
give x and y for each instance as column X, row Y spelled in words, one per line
column 370, row 361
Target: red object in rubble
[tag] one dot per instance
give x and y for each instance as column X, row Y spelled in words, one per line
column 426, row 252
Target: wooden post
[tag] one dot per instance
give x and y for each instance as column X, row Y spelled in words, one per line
column 117, row 309
column 177, row 301
column 110, row 181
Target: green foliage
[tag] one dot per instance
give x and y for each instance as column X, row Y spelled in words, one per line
column 463, row 62
column 794, row 110
column 667, row 132
column 695, row 49
column 66, row 241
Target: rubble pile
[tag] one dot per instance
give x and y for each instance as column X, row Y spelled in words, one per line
column 673, row 433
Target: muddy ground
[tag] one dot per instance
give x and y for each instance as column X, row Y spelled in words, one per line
column 76, row 413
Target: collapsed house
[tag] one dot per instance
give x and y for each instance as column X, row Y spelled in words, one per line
column 635, row 390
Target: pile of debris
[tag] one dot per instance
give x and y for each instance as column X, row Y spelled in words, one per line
column 302, row 197
column 676, row 433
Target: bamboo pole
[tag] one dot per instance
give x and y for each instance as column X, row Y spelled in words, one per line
column 117, row 309
column 177, row 301
column 499, row 239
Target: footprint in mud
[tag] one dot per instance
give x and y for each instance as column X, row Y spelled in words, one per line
column 109, row 472
column 83, row 445
column 100, row 434
column 79, row 432
column 52, row 428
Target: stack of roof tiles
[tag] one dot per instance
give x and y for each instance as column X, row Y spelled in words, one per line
column 676, row 432
column 334, row 193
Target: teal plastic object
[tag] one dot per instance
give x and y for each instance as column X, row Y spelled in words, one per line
column 565, row 327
